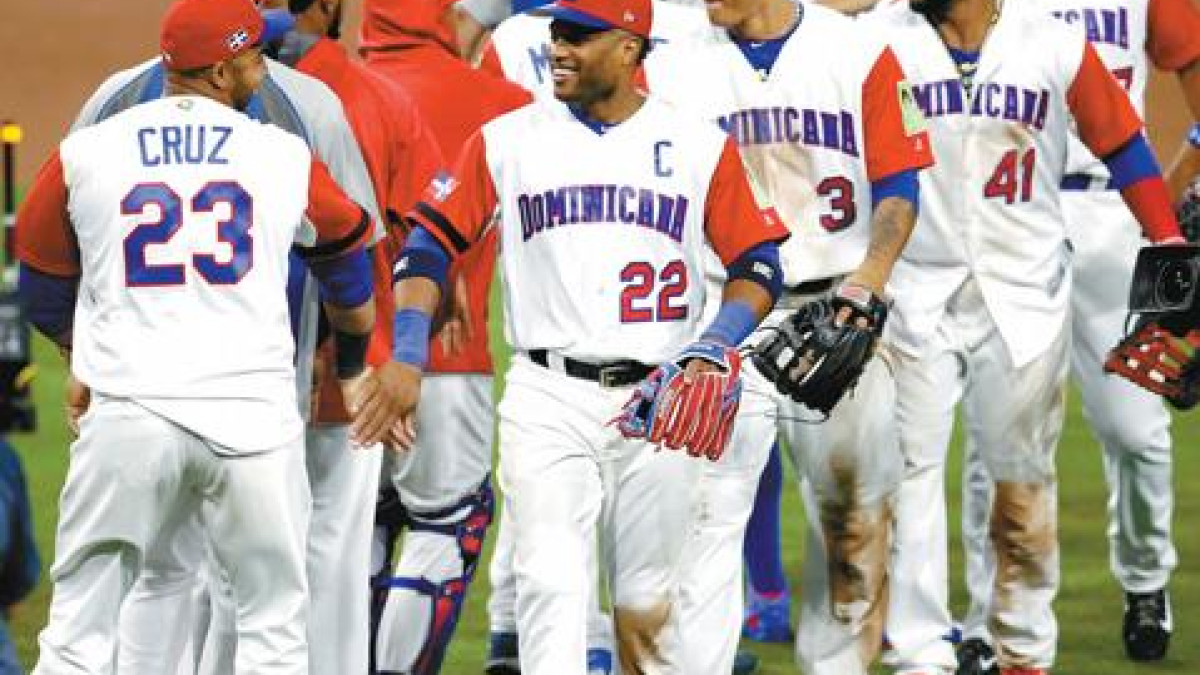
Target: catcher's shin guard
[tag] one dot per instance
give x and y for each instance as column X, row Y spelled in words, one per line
column 467, row 522
column 390, row 520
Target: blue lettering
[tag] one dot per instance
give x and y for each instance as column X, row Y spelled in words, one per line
column 193, row 144
column 143, row 140
column 526, row 217
column 660, row 167
column 215, row 157
column 171, row 138
column 627, row 194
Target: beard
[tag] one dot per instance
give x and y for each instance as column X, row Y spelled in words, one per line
column 934, row 11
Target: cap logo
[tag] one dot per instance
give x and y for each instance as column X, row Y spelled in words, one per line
column 237, row 39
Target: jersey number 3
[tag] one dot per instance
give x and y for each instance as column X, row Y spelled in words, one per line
column 235, row 231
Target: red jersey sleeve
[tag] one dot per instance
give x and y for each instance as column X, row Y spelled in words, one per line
column 894, row 126
column 45, row 239
column 1173, row 33
column 458, row 206
column 341, row 224
column 422, row 161
column 732, row 218
column 489, row 62
column 1105, row 117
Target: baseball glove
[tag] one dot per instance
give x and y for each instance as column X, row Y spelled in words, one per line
column 814, row 358
column 1162, row 353
column 696, row 414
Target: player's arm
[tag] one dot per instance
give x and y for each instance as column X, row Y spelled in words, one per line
column 1172, row 43
column 49, row 274
column 1109, row 126
column 49, row 255
column 897, row 147
column 339, row 262
column 473, row 21
column 1185, row 167
column 452, row 215
column 748, row 245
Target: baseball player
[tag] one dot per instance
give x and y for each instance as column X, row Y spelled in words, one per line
column 1132, row 425
column 440, row 493
column 402, row 157
column 165, row 595
column 834, row 146
column 592, row 297
column 172, row 223
column 519, row 50
column 982, row 292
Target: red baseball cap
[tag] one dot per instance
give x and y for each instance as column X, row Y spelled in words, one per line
column 631, row 15
column 198, row 33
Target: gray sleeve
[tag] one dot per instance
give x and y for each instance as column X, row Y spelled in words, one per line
column 93, row 110
column 329, row 134
column 489, row 13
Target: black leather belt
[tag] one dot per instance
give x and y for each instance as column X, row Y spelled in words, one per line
column 813, row 287
column 612, row 374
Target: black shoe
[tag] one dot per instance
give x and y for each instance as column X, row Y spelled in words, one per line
column 502, row 655
column 1147, row 626
column 975, row 657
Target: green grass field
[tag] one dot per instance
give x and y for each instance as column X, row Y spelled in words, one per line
column 1089, row 605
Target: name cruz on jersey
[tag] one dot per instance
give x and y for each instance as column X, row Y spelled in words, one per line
column 186, row 144
column 624, row 204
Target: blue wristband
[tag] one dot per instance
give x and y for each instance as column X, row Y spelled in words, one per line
column 411, row 337
column 1193, row 136
column 735, row 321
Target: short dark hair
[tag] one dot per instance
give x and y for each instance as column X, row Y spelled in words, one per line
column 647, row 45
column 299, row 6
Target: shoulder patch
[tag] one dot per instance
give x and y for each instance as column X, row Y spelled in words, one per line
column 910, row 112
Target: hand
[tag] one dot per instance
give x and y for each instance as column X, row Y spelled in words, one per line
column 459, row 328
column 407, row 384
column 856, row 303
column 320, row 371
column 77, row 397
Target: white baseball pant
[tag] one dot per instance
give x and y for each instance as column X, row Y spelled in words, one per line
column 1131, row 424
column 502, row 602
column 452, row 458
column 343, row 479
column 852, row 460
column 569, row 477
column 1016, row 417
column 135, row 478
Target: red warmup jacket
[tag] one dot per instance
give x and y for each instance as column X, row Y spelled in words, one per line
column 402, row 157
column 411, row 45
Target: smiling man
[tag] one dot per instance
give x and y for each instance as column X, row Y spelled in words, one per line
column 611, row 204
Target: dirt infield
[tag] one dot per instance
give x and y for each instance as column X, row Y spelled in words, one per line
column 55, row 53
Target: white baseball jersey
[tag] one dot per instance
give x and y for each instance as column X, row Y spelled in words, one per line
column 1128, row 35
column 813, row 132
column 520, row 45
column 601, row 258
column 182, row 213
column 991, row 205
